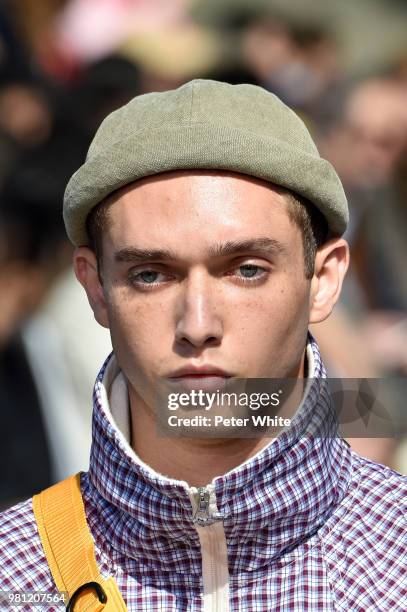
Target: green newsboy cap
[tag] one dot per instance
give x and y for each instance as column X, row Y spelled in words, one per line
column 204, row 124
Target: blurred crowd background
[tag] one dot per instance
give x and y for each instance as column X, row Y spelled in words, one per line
column 65, row 64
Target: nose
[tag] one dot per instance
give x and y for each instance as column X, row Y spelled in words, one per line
column 198, row 322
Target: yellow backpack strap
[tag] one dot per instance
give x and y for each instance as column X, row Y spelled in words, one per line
column 69, row 549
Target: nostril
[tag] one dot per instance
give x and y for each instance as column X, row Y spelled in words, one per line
column 196, row 341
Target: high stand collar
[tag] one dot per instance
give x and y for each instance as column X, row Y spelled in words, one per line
column 268, row 504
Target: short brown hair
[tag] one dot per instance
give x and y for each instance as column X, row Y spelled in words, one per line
column 307, row 217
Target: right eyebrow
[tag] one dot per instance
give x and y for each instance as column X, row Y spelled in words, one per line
column 135, row 255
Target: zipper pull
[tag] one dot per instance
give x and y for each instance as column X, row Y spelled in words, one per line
column 202, row 515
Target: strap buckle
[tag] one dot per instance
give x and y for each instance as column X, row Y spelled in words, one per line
column 100, row 592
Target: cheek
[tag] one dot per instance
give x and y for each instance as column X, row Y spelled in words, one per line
column 137, row 327
column 277, row 307
column 274, row 322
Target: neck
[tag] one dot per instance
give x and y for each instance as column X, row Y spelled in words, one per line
column 196, row 461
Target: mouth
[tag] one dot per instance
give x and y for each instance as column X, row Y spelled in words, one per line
column 205, row 378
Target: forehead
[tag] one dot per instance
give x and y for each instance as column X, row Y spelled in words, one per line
column 192, row 209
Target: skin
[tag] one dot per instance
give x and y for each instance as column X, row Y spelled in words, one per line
column 202, row 307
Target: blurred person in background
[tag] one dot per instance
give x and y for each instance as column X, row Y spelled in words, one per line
column 25, row 112
column 299, row 63
column 42, row 315
column 367, row 142
column 33, row 251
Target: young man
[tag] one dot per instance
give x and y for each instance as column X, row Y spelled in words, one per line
column 208, row 234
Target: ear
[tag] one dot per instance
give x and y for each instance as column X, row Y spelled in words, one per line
column 86, row 270
column 331, row 264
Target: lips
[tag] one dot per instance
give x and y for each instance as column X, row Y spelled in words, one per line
column 204, row 370
column 206, row 377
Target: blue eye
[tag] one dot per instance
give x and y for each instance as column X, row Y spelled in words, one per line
column 250, row 274
column 249, row 271
column 148, row 276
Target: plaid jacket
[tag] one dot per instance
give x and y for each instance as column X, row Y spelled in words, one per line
column 306, row 524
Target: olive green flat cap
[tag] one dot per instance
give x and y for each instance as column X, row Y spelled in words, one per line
column 203, row 124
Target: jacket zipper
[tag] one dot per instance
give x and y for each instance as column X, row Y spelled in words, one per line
column 209, row 525
column 202, row 515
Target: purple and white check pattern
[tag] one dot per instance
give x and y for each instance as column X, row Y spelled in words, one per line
column 310, row 525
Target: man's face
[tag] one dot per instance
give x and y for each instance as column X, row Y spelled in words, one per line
column 204, row 268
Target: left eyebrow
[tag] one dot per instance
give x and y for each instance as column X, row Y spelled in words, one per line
column 232, row 247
